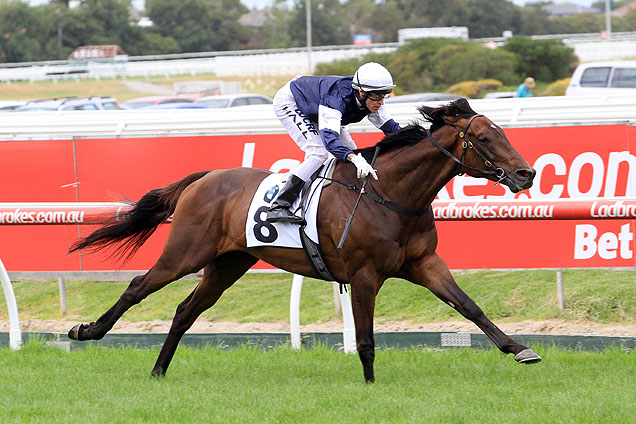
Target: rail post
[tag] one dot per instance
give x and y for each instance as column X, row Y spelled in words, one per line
column 15, row 335
column 348, row 332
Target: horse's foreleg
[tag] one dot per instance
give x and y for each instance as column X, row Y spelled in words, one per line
column 217, row 277
column 432, row 272
column 363, row 293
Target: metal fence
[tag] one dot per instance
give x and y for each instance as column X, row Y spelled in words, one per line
column 515, row 112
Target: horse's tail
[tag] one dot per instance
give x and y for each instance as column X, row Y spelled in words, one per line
column 133, row 227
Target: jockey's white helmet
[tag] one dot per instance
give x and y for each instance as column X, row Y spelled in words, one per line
column 373, row 77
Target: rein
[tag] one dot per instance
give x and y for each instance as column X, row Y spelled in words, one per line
column 381, row 200
column 499, row 173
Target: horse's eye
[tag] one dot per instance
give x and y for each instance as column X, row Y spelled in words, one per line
column 482, row 140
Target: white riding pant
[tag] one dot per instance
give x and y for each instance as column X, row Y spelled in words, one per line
column 305, row 133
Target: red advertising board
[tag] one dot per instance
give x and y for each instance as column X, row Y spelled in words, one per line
column 572, row 162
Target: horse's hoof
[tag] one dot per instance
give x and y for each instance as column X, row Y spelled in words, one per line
column 158, row 373
column 73, row 333
column 527, row 356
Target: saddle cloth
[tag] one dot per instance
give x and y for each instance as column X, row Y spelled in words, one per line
column 259, row 232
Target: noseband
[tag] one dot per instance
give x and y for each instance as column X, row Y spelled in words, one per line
column 499, row 173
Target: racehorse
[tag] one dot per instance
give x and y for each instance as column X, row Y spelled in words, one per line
column 393, row 234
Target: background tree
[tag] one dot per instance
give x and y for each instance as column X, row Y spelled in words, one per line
column 614, row 4
column 545, row 60
column 472, row 61
column 581, row 23
column 412, row 66
column 360, row 14
column 489, row 18
column 200, row 25
column 533, row 20
column 395, row 14
column 19, row 28
column 625, row 23
column 328, row 21
column 101, row 22
column 275, row 32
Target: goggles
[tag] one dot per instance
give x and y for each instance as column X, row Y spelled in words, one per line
column 376, row 96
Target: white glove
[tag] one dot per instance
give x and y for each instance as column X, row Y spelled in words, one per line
column 363, row 166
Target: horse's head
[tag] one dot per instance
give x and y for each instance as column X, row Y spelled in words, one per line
column 485, row 150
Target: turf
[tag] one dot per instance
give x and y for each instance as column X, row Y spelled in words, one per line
column 251, row 385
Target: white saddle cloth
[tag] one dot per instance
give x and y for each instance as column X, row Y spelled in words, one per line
column 259, row 232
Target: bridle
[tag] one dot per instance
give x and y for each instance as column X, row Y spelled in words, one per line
column 498, row 173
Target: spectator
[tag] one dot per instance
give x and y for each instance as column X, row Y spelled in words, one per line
column 524, row 88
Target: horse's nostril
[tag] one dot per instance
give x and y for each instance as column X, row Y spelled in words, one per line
column 525, row 174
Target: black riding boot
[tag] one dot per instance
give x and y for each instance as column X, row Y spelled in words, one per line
column 279, row 211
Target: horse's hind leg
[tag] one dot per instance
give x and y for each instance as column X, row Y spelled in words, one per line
column 170, row 267
column 433, row 273
column 217, row 277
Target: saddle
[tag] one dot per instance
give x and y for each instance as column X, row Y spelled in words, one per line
column 260, row 232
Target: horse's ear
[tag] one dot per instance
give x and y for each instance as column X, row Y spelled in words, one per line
column 462, row 107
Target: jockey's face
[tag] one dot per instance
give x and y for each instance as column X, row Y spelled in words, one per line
column 372, row 105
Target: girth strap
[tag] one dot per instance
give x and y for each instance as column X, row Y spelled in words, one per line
column 312, row 250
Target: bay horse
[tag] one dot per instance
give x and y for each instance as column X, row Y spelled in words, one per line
column 209, row 210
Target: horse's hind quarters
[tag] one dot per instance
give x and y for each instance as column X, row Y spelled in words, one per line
column 527, row 356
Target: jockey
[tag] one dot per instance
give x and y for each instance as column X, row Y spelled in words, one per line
column 314, row 110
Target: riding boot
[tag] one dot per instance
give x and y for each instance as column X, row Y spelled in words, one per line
column 280, row 209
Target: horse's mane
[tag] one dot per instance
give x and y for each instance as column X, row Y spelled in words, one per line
column 414, row 132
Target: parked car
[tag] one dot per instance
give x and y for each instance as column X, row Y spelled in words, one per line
column 423, row 97
column 180, row 105
column 611, row 77
column 233, row 100
column 9, row 105
column 144, row 102
column 70, row 103
column 500, row 95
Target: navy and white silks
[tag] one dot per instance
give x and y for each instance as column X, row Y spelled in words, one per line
column 315, row 109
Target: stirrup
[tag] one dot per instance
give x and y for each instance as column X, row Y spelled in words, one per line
column 283, row 215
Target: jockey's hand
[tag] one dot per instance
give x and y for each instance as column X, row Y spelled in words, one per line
column 362, row 166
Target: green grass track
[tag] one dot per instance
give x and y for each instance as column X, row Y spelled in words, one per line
column 250, row 385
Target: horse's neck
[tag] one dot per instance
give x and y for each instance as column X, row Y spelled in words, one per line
column 418, row 172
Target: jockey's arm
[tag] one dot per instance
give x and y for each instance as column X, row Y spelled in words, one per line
column 382, row 120
column 329, row 122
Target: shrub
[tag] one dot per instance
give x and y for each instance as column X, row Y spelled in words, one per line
column 557, row 88
column 474, row 89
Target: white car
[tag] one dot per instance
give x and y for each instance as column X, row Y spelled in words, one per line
column 611, row 77
column 9, row 105
column 234, row 100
